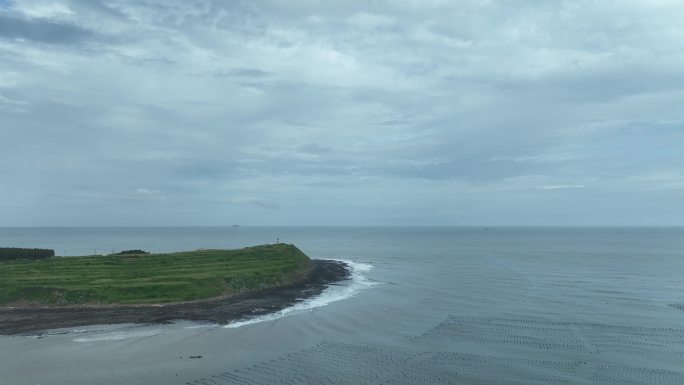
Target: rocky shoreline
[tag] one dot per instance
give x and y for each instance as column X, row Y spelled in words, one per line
column 34, row 320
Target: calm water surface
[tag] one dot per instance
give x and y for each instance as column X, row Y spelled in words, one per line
column 426, row 305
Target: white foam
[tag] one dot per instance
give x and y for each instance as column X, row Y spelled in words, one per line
column 333, row 293
column 118, row 336
column 200, row 326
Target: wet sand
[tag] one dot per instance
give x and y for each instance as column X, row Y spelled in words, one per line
column 34, row 320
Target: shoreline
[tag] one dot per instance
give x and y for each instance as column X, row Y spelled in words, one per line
column 28, row 320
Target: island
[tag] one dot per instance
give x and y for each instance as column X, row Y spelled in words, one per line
column 39, row 291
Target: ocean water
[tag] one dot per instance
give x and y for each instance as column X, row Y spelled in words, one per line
column 424, row 306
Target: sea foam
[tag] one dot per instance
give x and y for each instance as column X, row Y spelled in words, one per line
column 118, row 336
column 344, row 290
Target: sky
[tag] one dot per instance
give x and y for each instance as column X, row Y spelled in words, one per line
column 325, row 113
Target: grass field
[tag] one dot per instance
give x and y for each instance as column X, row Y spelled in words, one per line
column 149, row 278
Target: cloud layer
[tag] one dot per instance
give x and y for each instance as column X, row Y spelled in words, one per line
column 341, row 113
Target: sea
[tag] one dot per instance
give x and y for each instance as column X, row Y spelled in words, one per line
column 424, row 305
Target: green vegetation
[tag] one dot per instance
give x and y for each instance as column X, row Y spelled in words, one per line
column 149, row 278
column 7, row 253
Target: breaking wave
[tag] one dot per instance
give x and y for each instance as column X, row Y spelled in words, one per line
column 346, row 289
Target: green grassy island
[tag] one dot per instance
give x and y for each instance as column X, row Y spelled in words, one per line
column 128, row 278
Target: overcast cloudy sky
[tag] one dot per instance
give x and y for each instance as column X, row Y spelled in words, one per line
column 132, row 112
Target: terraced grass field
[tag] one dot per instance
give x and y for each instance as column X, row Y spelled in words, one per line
column 149, row 278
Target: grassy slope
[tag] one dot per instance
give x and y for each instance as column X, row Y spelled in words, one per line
column 150, row 278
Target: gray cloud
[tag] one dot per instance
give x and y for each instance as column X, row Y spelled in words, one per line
column 393, row 112
column 42, row 31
